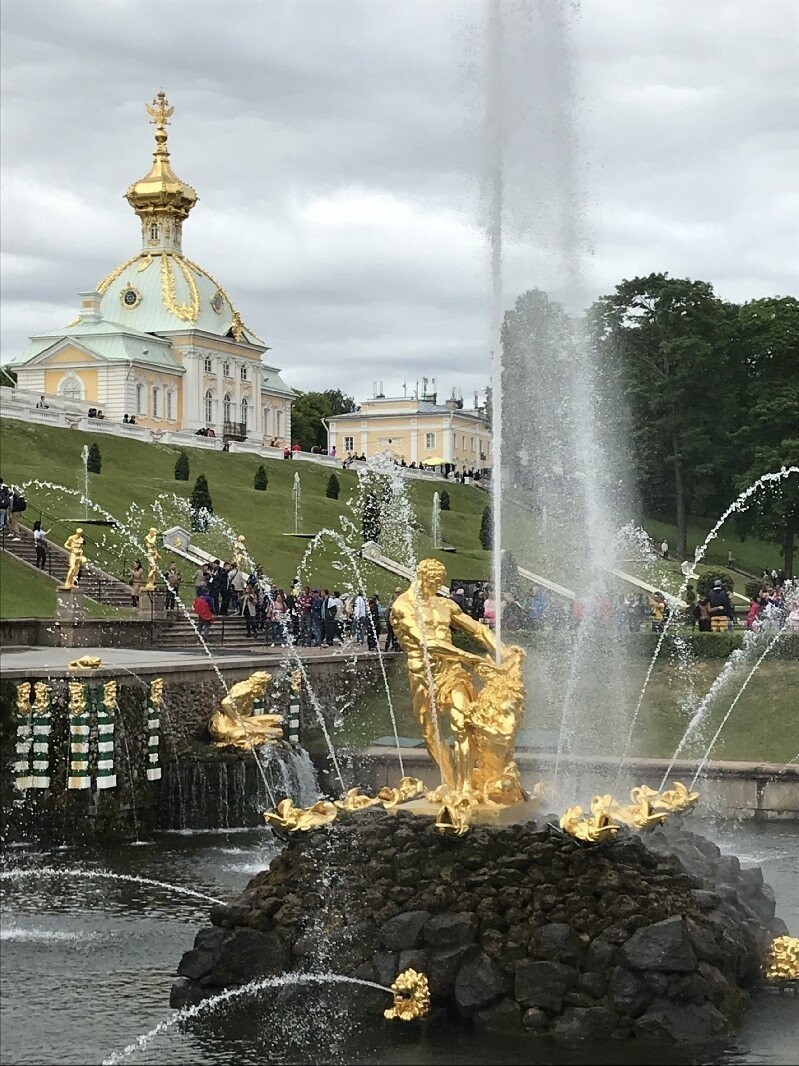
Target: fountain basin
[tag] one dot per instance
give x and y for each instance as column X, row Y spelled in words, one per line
column 516, row 927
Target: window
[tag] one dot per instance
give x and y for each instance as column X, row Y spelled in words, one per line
column 141, row 400
column 279, row 423
column 154, row 232
column 245, row 412
column 243, row 372
column 429, row 440
column 349, row 444
column 267, row 417
column 170, row 405
column 156, row 391
column 226, row 369
column 473, row 448
column 227, row 408
column 71, row 389
column 208, row 365
column 209, row 406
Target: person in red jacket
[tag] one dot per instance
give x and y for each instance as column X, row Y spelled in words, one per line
column 204, row 609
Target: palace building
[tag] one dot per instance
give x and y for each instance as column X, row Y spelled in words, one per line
column 160, row 338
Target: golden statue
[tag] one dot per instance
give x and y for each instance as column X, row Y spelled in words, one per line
column 77, row 698
column 411, row 997
column 442, row 679
column 74, row 545
column 86, row 662
column 294, row 819
column 677, row 798
column 236, row 725
column 408, row 788
column 593, row 828
column 110, row 696
column 239, row 551
column 41, row 698
column 782, row 961
column 355, row 800
column 24, row 699
column 151, row 547
column 157, row 691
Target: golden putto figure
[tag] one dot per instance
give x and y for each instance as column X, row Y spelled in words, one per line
column 239, row 551
column 151, row 546
column 236, row 724
column 443, row 681
column 74, row 545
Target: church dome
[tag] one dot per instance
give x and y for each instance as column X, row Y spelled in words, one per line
column 160, row 289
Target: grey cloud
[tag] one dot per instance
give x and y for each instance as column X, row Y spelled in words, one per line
column 337, row 150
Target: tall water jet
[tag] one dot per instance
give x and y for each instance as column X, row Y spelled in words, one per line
column 296, row 493
column 435, row 522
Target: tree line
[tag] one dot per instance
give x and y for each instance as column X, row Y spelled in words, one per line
column 699, row 396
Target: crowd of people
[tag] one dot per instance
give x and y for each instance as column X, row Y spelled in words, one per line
column 304, row 615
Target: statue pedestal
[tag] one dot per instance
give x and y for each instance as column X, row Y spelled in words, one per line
column 69, row 605
column 152, row 604
column 480, row 815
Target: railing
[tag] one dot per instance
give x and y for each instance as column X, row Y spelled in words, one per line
column 234, row 431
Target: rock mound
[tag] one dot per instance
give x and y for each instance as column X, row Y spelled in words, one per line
column 656, row 936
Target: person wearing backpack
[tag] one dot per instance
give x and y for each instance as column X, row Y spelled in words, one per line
column 40, row 543
column 17, row 504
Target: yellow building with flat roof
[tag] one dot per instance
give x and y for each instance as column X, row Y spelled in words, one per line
column 416, row 430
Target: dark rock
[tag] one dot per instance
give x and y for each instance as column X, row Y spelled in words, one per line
column 386, row 966
column 502, row 1017
column 582, row 1023
column 629, row 992
column 185, row 993
column 535, row 1019
column 478, row 984
column 595, row 984
column 599, row 954
column 542, row 984
column 443, row 965
column 680, row 1022
column 199, row 961
column 413, row 959
column 403, row 931
column 247, row 953
column 558, row 941
column 449, row 930
column 663, row 946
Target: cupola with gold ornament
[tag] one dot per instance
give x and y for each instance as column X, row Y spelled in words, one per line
column 160, row 199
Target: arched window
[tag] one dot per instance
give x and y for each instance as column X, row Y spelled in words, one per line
column 267, row 413
column 71, row 389
column 279, row 423
column 243, row 372
column 245, row 412
column 227, row 408
column 209, row 406
column 141, row 400
column 170, row 405
column 226, row 370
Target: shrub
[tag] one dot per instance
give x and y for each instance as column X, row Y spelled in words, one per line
column 333, row 487
column 752, row 589
column 260, row 481
column 95, row 460
column 706, row 582
column 486, row 530
column 445, row 504
column 182, row 467
column 200, row 496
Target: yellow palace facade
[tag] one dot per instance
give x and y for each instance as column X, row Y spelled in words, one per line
column 159, row 338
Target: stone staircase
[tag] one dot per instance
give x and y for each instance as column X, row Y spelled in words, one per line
column 228, row 631
column 95, row 583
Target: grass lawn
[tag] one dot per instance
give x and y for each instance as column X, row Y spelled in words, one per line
column 27, row 593
column 135, row 474
column 763, row 726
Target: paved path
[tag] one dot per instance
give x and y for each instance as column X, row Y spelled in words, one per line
column 26, row 662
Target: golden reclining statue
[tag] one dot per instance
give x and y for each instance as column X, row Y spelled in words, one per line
column 235, row 725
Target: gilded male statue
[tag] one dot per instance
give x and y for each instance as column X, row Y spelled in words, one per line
column 423, row 622
column 151, row 546
column 236, row 724
column 74, row 545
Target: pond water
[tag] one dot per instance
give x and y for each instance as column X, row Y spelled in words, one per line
column 87, row 966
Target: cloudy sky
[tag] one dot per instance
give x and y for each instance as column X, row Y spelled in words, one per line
column 339, row 148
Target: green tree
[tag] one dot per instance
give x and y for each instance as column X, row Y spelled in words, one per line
column 445, row 501
column 370, row 519
column 260, row 481
column 94, row 461
column 768, row 436
column 706, row 582
column 486, row 530
column 676, row 343
column 333, row 487
column 201, row 496
column 182, row 467
column 309, row 408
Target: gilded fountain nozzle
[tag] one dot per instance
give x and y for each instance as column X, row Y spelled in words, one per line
column 411, row 997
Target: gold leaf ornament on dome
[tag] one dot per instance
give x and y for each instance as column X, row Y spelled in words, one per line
column 186, row 312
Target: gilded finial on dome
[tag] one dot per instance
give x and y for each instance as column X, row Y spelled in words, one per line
column 160, row 199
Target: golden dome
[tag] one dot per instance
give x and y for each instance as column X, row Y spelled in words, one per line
column 161, row 194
